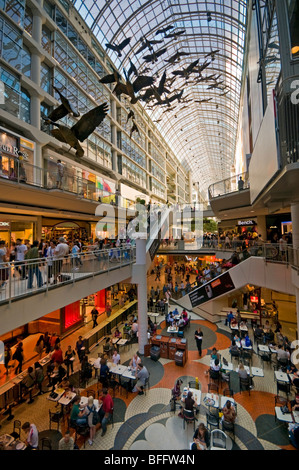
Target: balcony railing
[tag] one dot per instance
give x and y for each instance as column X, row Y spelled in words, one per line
column 22, row 279
column 20, row 171
column 230, row 185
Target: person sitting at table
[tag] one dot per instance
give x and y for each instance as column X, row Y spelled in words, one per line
column 115, row 357
column 234, row 347
column 215, row 365
column 185, row 317
column 142, row 375
column 233, row 323
column 77, row 415
column 292, row 369
column 279, row 337
column 229, row 413
column 32, row 435
column 282, row 354
column 190, row 404
column 295, row 403
column 295, row 383
column 248, row 341
column 67, row 442
column 117, row 334
column 243, row 374
column 268, row 336
column 175, row 312
column 176, row 391
column 104, row 372
column 201, row 438
column 135, row 361
column 169, row 319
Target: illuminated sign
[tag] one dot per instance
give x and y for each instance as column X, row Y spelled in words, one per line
column 246, row 222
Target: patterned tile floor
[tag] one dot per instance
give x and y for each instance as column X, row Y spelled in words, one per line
column 146, row 422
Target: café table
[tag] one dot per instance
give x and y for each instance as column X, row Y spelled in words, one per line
column 243, row 328
column 154, row 315
column 281, row 376
column 172, row 330
column 228, row 367
column 257, row 372
column 122, row 342
column 66, row 399
column 234, row 327
column 117, row 369
column 285, row 417
column 59, row 392
column 6, row 440
column 211, row 400
column 115, row 340
column 263, row 348
column 296, row 416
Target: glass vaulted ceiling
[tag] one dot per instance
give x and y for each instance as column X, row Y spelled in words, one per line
column 202, row 135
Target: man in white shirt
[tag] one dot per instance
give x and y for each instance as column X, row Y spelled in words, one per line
column 32, row 436
column 61, row 250
column 116, row 357
column 20, row 250
column 59, row 177
column 134, row 327
column 97, row 365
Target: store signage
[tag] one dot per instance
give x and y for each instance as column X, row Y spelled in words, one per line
column 254, row 299
column 10, row 147
column 219, row 286
column 4, row 225
column 246, row 222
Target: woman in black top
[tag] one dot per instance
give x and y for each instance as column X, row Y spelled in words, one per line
column 201, row 438
column 198, row 338
column 104, row 373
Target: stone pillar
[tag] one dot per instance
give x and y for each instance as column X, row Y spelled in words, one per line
column 142, row 293
column 261, row 226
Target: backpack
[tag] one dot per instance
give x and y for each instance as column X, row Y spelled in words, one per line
column 94, row 415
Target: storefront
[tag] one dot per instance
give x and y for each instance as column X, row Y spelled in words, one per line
column 16, row 157
column 245, row 227
column 53, row 229
column 278, row 225
column 13, row 227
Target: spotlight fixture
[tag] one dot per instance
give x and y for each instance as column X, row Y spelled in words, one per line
column 209, row 16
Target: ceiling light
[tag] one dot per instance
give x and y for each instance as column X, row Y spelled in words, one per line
column 295, row 50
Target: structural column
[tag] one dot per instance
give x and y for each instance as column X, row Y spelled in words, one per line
column 140, row 267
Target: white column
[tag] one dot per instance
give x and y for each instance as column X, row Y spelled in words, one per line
column 142, row 293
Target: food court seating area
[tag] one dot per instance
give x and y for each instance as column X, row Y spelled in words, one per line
column 260, row 421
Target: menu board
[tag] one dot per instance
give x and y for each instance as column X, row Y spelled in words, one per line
column 212, row 289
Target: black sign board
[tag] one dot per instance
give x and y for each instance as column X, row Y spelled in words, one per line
column 212, row 289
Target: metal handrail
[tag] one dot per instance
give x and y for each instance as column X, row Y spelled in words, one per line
column 228, row 186
column 41, row 274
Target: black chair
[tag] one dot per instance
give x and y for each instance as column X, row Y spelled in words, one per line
column 147, row 384
column 235, row 355
column 215, row 376
column 247, row 355
column 266, row 357
column 189, row 417
column 280, row 402
column 212, row 421
column 82, row 431
column 16, row 433
column 114, row 385
column 55, row 418
column 46, row 443
column 225, row 377
column 212, row 387
column 282, row 364
column 227, row 392
column 193, row 384
column 244, row 384
column 283, row 387
column 228, row 427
